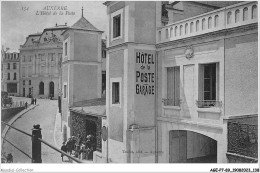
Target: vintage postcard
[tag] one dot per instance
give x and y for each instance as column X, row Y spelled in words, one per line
column 129, row 82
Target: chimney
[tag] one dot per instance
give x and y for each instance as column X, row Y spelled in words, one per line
column 56, row 24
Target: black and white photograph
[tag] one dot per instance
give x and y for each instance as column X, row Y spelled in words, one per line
column 153, row 86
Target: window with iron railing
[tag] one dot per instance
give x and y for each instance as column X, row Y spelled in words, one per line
column 173, row 87
column 208, row 86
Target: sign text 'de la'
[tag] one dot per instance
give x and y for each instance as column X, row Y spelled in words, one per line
column 145, row 73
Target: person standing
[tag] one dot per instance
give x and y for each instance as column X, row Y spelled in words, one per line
column 63, row 148
column 26, row 105
column 35, row 101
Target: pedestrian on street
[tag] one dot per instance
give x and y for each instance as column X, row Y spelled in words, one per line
column 32, row 101
column 26, row 105
column 63, row 148
column 35, row 101
column 69, row 146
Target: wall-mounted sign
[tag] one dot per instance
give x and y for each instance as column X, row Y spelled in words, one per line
column 145, row 72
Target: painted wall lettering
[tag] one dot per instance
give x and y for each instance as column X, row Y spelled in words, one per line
column 145, row 73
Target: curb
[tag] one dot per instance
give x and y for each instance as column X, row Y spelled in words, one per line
column 13, row 120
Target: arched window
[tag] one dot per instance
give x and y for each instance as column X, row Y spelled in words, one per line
column 41, row 88
column 210, row 22
column 181, row 28
column 254, row 11
column 237, row 16
column 186, row 28
column 191, row 27
column 166, row 33
column 159, row 35
column 245, row 14
column 216, row 21
column 203, row 24
column 175, row 32
column 229, row 17
column 197, row 25
column 171, row 32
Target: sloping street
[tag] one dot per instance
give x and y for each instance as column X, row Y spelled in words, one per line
column 44, row 114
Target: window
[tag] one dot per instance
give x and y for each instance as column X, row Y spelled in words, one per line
column 23, row 71
column 181, row 28
column 42, row 69
column 14, row 65
column 208, row 85
column 176, row 29
column 254, row 11
column 216, row 21
column 237, row 16
column 103, row 82
column 8, row 66
column 229, row 17
column 203, row 24
column 41, row 88
column 65, row 91
column 117, row 26
column 166, row 33
column 30, row 58
column 191, row 27
column 14, row 76
column 8, row 76
column 173, row 86
column 171, row 32
column 245, row 14
column 210, row 23
column 115, row 93
column 186, row 28
column 197, row 25
column 23, row 82
column 30, row 82
column 66, row 49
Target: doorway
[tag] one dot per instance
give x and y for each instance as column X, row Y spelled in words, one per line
column 51, row 89
column 191, row 147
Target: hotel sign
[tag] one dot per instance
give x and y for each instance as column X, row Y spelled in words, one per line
column 145, row 72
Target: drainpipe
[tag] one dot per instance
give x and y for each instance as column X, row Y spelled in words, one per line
column 156, row 108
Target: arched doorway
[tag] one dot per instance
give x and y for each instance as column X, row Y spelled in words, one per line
column 191, row 147
column 41, row 88
column 51, row 89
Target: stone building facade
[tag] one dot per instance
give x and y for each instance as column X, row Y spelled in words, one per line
column 178, row 79
column 83, row 82
column 10, row 72
column 40, row 61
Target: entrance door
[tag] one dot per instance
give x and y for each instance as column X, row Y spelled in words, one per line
column 23, row 92
column 188, row 82
column 51, row 89
column 178, row 146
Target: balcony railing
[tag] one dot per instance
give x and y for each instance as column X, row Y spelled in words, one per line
column 208, row 103
column 232, row 16
column 171, row 102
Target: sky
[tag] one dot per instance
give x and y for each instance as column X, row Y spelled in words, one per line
column 19, row 18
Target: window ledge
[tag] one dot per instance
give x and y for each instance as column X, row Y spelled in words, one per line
column 172, row 107
column 210, row 110
column 116, row 38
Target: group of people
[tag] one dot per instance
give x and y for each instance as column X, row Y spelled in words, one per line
column 33, row 101
column 78, row 147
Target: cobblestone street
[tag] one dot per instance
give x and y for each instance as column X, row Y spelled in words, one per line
column 45, row 115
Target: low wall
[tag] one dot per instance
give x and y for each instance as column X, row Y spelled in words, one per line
column 8, row 113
